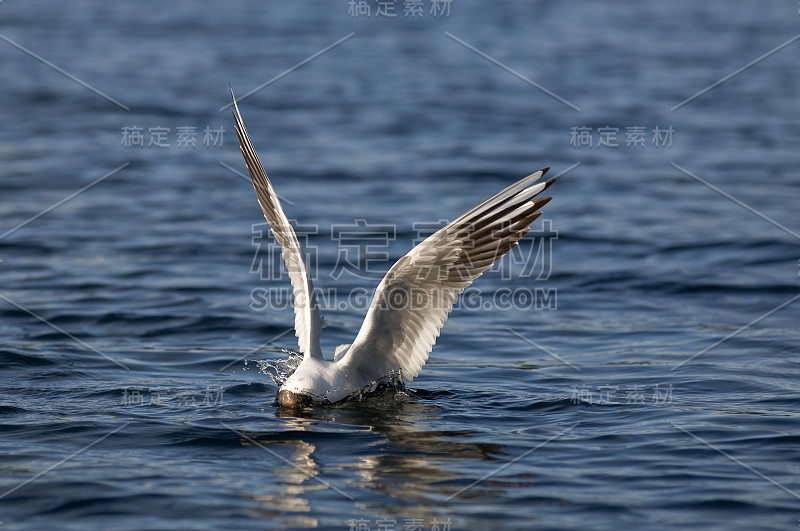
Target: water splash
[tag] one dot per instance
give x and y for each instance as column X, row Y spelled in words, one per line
column 393, row 381
column 280, row 369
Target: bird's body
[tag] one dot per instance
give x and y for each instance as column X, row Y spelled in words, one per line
column 412, row 301
column 319, row 380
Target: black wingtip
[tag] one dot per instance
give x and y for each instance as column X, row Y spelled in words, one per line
column 234, row 107
column 541, row 201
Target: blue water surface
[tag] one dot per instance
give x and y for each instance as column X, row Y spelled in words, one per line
column 634, row 364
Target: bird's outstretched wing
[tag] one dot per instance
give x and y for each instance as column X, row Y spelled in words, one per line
column 307, row 320
column 413, row 300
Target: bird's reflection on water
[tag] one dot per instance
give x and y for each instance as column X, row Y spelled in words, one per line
column 385, row 439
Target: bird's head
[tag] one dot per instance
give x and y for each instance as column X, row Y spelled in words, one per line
column 287, row 398
column 299, row 389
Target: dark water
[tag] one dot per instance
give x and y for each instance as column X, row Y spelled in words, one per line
column 140, row 402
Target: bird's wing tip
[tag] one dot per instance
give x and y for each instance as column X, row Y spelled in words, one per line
column 235, row 107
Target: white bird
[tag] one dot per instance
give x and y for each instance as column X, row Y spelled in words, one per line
column 412, row 301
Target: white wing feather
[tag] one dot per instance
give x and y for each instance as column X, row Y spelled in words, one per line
column 307, row 320
column 415, row 297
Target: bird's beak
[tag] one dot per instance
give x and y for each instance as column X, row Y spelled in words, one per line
column 287, row 398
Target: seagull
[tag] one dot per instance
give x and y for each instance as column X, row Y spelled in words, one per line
column 411, row 303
